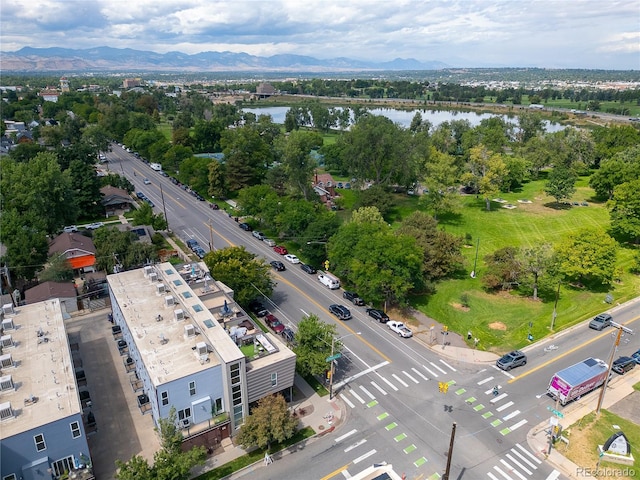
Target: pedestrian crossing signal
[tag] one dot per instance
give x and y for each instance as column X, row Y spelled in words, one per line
column 443, row 387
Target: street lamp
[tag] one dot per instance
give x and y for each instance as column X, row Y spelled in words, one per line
column 333, row 357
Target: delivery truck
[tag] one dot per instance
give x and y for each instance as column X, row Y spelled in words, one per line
column 578, row 379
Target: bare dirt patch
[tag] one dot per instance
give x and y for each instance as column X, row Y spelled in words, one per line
column 459, row 306
column 497, row 326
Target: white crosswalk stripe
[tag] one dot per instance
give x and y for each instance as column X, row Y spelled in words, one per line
column 402, row 382
column 512, row 470
column 504, row 406
column 418, row 372
column 518, row 463
column 482, row 382
column 346, row 435
column 529, row 454
column 355, row 445
column 346, row 400
column 375, row 385
column 390, row 384
column 498, row 398
column 410, row 377
column 522, row 467
column 497, row 469
column 430, row 371
column 357, row 397
column 553, row 475
column 518, row 425
column 511, row 415
column 447, row 365
column 438, row 368
column 367, row 392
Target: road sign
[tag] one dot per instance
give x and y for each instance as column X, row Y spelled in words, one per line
column 334, row 357
column 556, row 412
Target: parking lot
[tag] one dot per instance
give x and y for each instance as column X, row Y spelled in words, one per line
column 121, row 430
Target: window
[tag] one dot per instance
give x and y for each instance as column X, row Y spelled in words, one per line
column 218, row 406
column 184, row 414
column 75, row 429
column 197, row 308
column 274, row 379
column 236, row 394
column 11, row 476
column 192, row 388
column 238, row 415
column 40, row 443
column 63, row 465
column 235, row 373
column 164, row 397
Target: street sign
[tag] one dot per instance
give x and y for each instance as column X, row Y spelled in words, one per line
column 334, row 357
column 556, row 412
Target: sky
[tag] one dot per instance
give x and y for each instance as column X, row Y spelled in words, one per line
column 602, row 34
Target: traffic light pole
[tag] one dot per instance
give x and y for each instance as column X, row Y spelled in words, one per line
column 450, row 453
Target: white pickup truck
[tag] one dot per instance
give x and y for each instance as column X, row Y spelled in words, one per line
column 400, row 328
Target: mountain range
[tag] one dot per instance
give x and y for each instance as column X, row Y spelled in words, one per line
column 107, row 59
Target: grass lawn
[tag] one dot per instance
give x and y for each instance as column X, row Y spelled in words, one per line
column 589, row 432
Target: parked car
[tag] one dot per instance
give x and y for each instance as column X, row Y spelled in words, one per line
column 245, row 226
column 340, row 311
column 353, row 297
column 601, row 321
column 307, row 268
column 512, row 360
column 256, row 307
column 269, row 242
column 70, row 229
column 291, row 258
column 151, row 204
column 623, row 364
column 199, row 251
column 192, row 243
column 141, row 195
column 636, row 356
column 378, row 315
column 288, row 334
column 280, row 249
column 278, row 265
column 399, row 328
column 258, row 235
column 95, row 225
column 273, row 323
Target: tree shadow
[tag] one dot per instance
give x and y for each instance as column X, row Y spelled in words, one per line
column 558, row 205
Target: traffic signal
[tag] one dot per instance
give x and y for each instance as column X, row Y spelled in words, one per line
column 443, row 387
column 326, row 264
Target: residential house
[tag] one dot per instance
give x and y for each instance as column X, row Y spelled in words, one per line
column 115, row 200
column 77, row 249
column 65, row 291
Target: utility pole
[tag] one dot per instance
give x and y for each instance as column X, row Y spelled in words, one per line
column 555, row 306
column 164, row 208
column 620, row 328
column 331, row 368
column 210, row 235
column 475, row 262
column 450, row 453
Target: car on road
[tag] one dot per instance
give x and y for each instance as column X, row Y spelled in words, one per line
column 307, row 268
column 601, row 321
column 269, row 242
column 245, row 226
column 399, row 328
column 258, row 235
column 623, row 364
column 256, row 307
column 95, row 225
column 141, row 195
column 147, row 181
column 151, row 204
column 288, row 334
column 278, row 265
column 70, row 229
column 340, row 311
column 512, row 360
column 378, row 315
column 636, row 356
column 273, row 323
column 353, row 297
column 280, row 249
column 291, row 258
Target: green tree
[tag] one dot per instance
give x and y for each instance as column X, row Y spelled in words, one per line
column 588, row 255
column 535, row 261
column 504, row 269
column 298, row 162
column 217, row 182
column 255, row 201
column 86, row 189
column 313, row 345
column 137, row 468
column 561, row 183
column 376, row 196
column 624, row 209
column 486, row 173
column 623, row 167
column 247, row 156
column 530, row 125
column 441, row 175
column 58, row 269
column 270, row 421
column 23, row 235
column 144, row 215
column 246, row 274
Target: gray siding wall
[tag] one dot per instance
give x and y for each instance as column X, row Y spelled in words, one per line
column 259, row 380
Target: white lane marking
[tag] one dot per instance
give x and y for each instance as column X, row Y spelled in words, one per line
column 498, row 398
column 346, row 400
column 482, row 382
column 529, row 454
column 430, row 371
column 379, row 388
column 511, row 415
column 402, row 382
column 346, row 474
column 358, row 397
column 518, row 425
column 502, row 407
column 438, row 368
column 447, row 365
column 410, row 377
column 304, row 313
column 517, row 453
column 418, row 372
column 348, row 434
column 355, row 445
column 395, row 389
column 497, row 469
column 504, row 372
column 359, row 374
column 367, row 392
column 492, row 476
column 512, row 470
column 554, row 475
column 366, row 455
column 522, row 467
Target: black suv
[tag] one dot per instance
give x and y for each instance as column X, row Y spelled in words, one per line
column 512, row 360
column 340, row 311
column 257, row 308
column 307, row 268
column 623, row 365
column 279, row 266
column 378, row 315
column 245, row 226
column 353, row 297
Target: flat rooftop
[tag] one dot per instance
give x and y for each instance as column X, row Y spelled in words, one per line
column 177, row 332
column 36, row 351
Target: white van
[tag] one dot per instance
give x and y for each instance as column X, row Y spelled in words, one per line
column 156, row 166
column 329, row 281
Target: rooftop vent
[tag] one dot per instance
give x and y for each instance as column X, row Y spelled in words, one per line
column 201, row 349
column 169, row 301
column 6, row 383
column 160, row 288
column 179, row 314
column 6, row 361
column 189, row 330
column 7, row 309
column 148, row 270
column 6, row 341
column 7, row 324
column 153, row 276
column 6, row 412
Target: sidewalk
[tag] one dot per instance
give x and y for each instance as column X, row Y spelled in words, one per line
column 314, row 411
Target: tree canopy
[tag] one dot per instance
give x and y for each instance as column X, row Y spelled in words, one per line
column 270, row 421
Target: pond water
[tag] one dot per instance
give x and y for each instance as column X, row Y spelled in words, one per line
column 404, row 117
